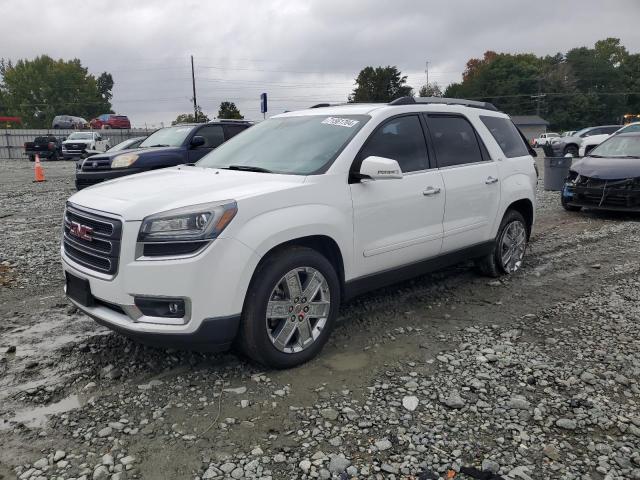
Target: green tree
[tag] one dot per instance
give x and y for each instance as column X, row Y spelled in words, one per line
column 431, row 89
column 228, row 110
column 39, row 89
column 380, row 84
column 191, row 118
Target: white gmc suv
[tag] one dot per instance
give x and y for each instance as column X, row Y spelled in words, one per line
column 260, row 241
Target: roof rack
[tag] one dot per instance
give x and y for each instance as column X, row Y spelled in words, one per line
column 230, row 120
column 443, row 101
column 320, row 105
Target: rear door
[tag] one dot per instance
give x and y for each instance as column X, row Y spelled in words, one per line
column 471, row 181
column 397, row 222
column 213, row 136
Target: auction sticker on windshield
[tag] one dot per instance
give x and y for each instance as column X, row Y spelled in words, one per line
column 341, row 122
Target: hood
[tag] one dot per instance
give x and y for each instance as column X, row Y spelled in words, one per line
column 143, row 152
column 607, row 168
column 136, row 196
column 66, row 142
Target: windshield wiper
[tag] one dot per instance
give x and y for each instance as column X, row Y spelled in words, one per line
column 594, row 156
column 248, row 168
column 159, row 145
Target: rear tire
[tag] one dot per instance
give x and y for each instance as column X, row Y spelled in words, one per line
column 276, row 304
column 572, row 150
column 513, row 227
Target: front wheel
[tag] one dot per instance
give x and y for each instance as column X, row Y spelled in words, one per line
column 290, row 308
column 571, row 150
column 509, row 247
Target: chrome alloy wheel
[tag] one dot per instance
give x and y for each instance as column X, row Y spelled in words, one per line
column 512, row 246
column 298, row 309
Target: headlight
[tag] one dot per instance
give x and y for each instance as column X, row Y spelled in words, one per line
column 188, row 224
column 124, row 160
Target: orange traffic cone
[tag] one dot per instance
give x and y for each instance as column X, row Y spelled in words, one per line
column 38, row 170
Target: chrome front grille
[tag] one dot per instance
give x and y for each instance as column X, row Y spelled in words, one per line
column 92, row 240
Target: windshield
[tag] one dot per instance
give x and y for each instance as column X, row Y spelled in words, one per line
column 618, row 146
column 291, row 145
column 167, row 137
column 80, row 136
column 124, row 145
column 633, row 127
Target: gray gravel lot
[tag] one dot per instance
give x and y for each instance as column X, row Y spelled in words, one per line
column 533, row 377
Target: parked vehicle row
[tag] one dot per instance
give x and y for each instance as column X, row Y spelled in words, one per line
column 102, row 122
column 570, row 145
column 259, row 241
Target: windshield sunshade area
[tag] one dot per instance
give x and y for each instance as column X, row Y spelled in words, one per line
column 167, row 137
column 623, row 146
column 300, row 145
column 79, row 136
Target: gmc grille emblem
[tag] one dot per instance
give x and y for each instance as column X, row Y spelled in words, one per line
column 81, row 231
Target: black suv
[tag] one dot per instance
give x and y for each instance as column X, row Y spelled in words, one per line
column 182, row 143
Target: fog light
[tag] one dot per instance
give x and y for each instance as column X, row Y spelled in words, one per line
column 161, row 307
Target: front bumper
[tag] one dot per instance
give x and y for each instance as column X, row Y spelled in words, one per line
column 213, row 284
column 86, row 178
column 621, row 197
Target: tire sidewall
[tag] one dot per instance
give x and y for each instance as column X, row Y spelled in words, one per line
column 257, row 342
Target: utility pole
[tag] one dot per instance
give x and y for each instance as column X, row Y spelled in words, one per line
column 426, row 70
column 193, row 83
column 539, row 96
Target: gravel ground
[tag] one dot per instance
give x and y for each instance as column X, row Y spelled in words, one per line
column 532, row 377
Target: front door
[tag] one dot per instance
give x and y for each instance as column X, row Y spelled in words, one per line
column 397, row 222
column 470, row 179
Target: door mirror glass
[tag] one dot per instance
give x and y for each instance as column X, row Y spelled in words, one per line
column 198, row 141
column 380, row 168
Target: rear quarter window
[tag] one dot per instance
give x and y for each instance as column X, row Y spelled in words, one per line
column 506, row 135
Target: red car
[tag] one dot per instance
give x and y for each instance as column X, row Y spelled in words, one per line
column 109, row 120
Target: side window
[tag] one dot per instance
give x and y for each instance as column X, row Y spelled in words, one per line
column 213, row 136
column 454, row 140
column 231, row 131
column 400, row 139
column 506, row 135
column 590, row 132
column 609, row 130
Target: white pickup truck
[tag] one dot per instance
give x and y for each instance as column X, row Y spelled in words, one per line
column 544, row 139
column 259, row 241
column 78, row 143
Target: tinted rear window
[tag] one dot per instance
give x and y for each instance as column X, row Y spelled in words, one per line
column 507, row 136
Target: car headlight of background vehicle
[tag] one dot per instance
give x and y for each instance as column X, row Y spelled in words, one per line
column 184, row 230
column 124, row 160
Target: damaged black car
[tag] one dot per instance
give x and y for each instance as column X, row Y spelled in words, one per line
column 608, row 179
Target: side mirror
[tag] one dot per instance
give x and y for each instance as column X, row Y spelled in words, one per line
column 98, row 138
column 197, row 141
column 380, row 168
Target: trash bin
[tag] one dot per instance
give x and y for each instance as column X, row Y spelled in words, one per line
column 556, row 170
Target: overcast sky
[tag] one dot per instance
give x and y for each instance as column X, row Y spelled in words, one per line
column 300, row 52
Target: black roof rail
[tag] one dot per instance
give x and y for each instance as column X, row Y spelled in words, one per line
column 320, row 105
column 443, row 101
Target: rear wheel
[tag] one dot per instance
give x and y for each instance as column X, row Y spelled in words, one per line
column 571, row 150
column 509, row 247
column 290, row 308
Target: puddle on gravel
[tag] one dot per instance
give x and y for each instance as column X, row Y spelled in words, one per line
column 37, row 417
column 347, row 361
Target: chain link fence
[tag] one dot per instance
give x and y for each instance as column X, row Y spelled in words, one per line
column 12, row 140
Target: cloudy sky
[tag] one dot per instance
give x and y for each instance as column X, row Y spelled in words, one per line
column 300, row 52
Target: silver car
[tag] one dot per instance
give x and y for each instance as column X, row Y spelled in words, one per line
column 69, row 122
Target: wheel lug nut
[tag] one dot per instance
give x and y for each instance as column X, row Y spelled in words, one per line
column 306, row 309
column 293, row 317
column 296, row 300
column 300, row 317
column 291, row 308
column 304, row 299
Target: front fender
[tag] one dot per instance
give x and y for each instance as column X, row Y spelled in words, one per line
column 267, row 230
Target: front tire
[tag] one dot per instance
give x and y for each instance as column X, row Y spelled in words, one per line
column 509, row 247
column 290, row 308
column 571, row 150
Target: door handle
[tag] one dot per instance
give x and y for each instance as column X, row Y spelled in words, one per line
column 491, row 180
column 431, row 191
